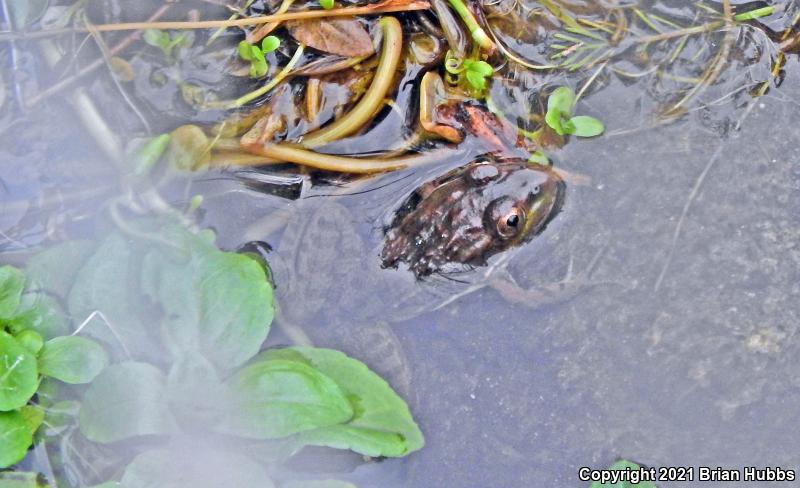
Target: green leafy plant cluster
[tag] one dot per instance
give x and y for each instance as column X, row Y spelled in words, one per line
column 31, row 349
column 474, row 72
column 256, row 55
column 168, row 43
column 185, row 323
column 560, row 105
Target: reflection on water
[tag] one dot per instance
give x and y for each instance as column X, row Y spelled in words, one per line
column 681, row 341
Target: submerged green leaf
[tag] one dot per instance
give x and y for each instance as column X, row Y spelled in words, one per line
column 382, row 424
column 195, row 392
column 194, row 467
column 585, row 126
column 72, row 359
column 166, row 42
column 33, row 416
column 560, row 105
column 126, row 400
column 148, row 155
column 15, row 438
column 326, row 4
column 105, row 295
column 40, row 313
column 30, row 340
column 276, row 398
column 216, row 303
column 562, row 99
column 56, row 268
column 18, row 373
column 12, row 282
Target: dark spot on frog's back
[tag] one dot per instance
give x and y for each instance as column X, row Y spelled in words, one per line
column 466, row 216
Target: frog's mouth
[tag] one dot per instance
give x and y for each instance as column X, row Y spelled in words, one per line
column 543, row 211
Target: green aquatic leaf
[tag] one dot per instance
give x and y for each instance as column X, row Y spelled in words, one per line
column 539, row 158
column 15, row 438
column 276, row 398
column 620, row 465
column 33, row 416
column 476, row 80
column 269, row 44
column 166, row 42
column 559, row 107
column 585, row 126
column 55, row 268
column 60, row 416
column 105, row 291
column 30, row 340
column 18, row 373
column 72, row 359
column 195, row 392
column 148, row 155
column 477, row 73
column 126, row 400
column 382, row 424
column 481, row 67
column 156, row 38
column 194, row 467
column 326, row 4
column 255, row 55
column 12, row 282
column 40, row 313
column 562, row 99
column 216, row 303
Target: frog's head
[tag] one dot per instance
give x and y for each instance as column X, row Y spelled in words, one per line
column 472, row 213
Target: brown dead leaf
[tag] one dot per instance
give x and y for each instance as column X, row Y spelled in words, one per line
column 343, row 36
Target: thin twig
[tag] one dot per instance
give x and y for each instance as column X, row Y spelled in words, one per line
column 387, row 6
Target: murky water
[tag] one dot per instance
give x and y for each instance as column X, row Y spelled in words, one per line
column 679, row 348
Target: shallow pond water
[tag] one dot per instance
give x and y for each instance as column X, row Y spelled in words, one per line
column 679, row 348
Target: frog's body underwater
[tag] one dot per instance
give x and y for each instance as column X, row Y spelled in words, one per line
column 341, row 290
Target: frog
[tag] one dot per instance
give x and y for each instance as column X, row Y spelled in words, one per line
column 342, row 278
column 447, row 236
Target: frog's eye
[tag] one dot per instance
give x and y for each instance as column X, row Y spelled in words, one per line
column 511, row 223
column 483, row 172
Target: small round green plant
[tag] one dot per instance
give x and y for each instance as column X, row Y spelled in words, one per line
column 256, row 54
column 559, row 117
